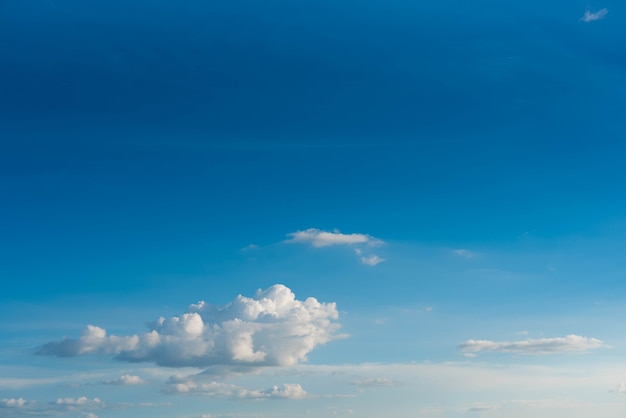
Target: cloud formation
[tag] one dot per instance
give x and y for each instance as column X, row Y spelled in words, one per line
column 272, row 328
column 590, row 16
column 540, row 346
column 179, row 384
column 318, row 238
column 462, row 252
column 369, row 382
column 12, row 402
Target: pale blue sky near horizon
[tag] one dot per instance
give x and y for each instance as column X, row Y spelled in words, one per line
column 449, row 174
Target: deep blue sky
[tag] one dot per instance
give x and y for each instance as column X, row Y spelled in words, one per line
column 145, row 144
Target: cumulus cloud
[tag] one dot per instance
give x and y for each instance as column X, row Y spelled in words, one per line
column 540, row 346
column 124, row 380
column 272, row 328
column 179, row 384
column 590, row 16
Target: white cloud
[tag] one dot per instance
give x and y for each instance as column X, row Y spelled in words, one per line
column 272, row 328
column 540, row 346
column 179, row 384
column 124, row 380
column 91, row 415
column 372, row 260
column 621, row 388
column 590, row 16
column 12, row 403
column 82, row 401
column 318, row 238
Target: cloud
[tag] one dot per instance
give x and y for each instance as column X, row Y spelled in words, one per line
column 82, row 401
column 178, row 384
column 318, row 238
column 621, row 388
column 540, row 346
column 272, row 328
column 12, row 403
column 372, row 260
column 589, row 16
column 91, row 415
column 124, row 380
column 369, row 382
column 461, row 252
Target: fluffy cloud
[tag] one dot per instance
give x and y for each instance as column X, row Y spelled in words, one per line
column 178, row 384
column 540, row 346
column 462, row 252
column 124, row 380
column 272, row 328
column 591, row 16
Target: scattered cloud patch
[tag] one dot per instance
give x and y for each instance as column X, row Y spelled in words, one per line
column 12, row 403
column 462, row 252
column 82, row 401
column 178, row 385
column 372, row 382
column 272, row 328
column 91, row 415
column 124, row 380
column 621, row 388
column 540, row 346
column 318, row 238
column 590, row 16
column 372, row 260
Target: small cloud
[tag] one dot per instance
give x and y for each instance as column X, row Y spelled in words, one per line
column 178, row 385
column 372, row 260
column 370, row 382
column 590, row 16
column 250, row 247
column 462, row 252
column 124, row 380
column 541, row 346
column 318, row 238
column 82, row 401
column 12, row 403
column 90, row 415
column 522, row 332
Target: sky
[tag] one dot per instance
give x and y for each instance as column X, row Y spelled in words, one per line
column 244, row 209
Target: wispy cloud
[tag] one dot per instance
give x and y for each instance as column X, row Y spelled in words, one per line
column 124, row 380
column 272, row 328
column 590, row 16
column 540, row 346
column 369, row 382
column 318, row 239
column 178, row 384
column 462, row 252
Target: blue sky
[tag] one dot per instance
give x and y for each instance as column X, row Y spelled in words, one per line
column 445, row 180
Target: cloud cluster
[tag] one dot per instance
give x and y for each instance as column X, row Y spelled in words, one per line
column 370, row 382
column 12, row 402
column 272, row 328
column 179, row 384
column 82, row 401
column 540, row 346
column 318, row 238
column 590, row 16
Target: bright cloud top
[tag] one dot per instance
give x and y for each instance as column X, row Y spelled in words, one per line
column 540, row 346
column 591, row 16
column 272, row 328
column 318, row 238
